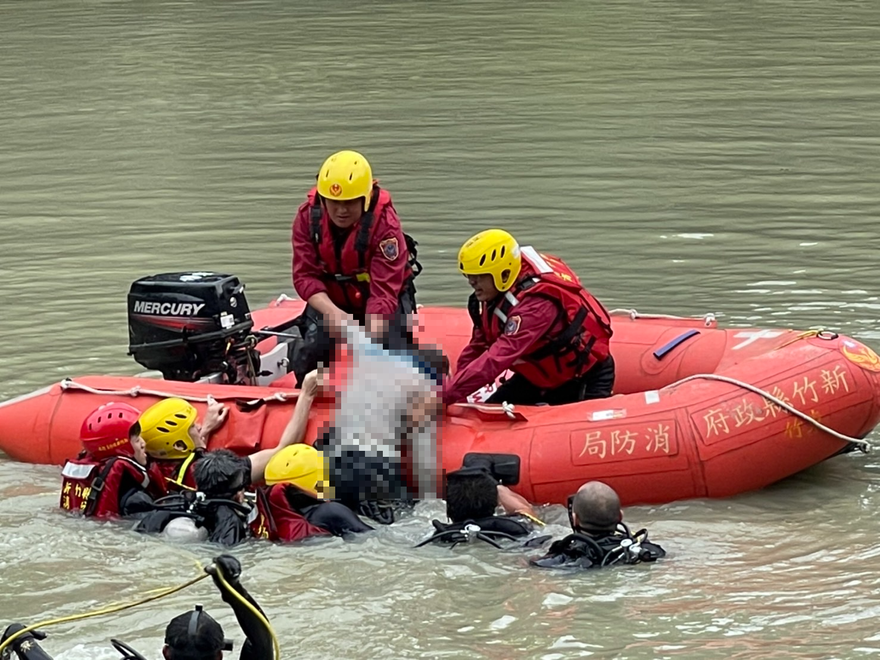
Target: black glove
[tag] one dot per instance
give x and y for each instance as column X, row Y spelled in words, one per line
column 25, row 646
column 228, row 565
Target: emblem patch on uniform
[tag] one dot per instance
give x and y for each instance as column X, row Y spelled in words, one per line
column 389, row 248
column 336, row 190
column 512, row 325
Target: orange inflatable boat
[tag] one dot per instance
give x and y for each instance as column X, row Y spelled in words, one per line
column 699, row 411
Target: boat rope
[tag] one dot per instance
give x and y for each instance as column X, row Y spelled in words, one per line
column 137, row 390
column 162, row 593
column 861, row 444
column 708, row 319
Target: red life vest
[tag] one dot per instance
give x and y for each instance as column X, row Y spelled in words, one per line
column 92, row 487
column 177, row 475
column 288, row 525
column 347, row 269
column 260, row 521
column 555, row 360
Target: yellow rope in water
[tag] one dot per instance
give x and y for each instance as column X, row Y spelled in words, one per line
column 107, row 610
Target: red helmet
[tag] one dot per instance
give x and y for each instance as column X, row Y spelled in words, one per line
column 104, row 432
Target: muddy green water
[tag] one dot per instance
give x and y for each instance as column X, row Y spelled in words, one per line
column 684, row 157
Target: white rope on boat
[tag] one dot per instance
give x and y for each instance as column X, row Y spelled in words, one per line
column 863, row 445
column 634, row 314
column 137, row 390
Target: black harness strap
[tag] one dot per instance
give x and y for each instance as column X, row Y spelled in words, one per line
column 97, row 487
column 413, row 252
column 474, row 311
column 361, row 241
column 263, row 499
column 566, row 342
column 362, row 245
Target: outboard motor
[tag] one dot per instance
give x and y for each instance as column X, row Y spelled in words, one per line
column 193, row 326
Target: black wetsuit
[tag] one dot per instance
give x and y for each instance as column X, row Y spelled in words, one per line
column 491, row 530
column 580, row 550
column 258, row 643
column 225, row 521
column 335, row 517
column 25, row 647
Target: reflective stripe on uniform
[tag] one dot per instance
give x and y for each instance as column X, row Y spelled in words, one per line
column 77, row 470
column 535, row 259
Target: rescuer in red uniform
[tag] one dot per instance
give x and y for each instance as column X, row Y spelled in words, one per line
column 110, row 478
column 351, row 260
column 531, row 315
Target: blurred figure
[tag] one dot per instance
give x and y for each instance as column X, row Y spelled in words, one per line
column 385, row 426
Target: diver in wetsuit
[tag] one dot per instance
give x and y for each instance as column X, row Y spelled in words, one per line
column 218, row 510
column 600, row 537
column 472, row 497
column 193, row 635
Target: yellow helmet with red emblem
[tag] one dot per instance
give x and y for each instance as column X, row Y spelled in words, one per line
column 346, row 175
column 492, row 252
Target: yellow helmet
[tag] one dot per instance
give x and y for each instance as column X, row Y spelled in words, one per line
column 300, row 465
column 166, row 423
column 346, row 175
column 492, row 252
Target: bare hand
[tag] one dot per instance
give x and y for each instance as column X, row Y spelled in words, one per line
column 335, row 321
column 311, row 384
column 377, row 327
column 514, row 502
column 215, row 416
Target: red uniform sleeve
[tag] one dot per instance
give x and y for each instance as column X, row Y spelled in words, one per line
column 306, row 265
column 527, row 323
column 476, row 347
column 388, row 264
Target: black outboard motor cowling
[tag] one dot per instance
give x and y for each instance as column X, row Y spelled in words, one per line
column 192, row 326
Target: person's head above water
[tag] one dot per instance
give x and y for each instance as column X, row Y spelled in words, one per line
column 300, row 465
column 471, row 494
column 194, row 635
column 221, row 474
column 491, row 262
column 595, row 508
column 111, row 430
column 345, row 183
column 169, row 429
